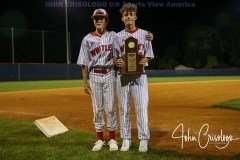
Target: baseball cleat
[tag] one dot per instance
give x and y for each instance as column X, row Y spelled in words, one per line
column 143, row 147
column 125, row 145
column 113, row 145
column 98, row 145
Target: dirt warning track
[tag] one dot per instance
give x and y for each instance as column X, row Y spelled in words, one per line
column 171, row 104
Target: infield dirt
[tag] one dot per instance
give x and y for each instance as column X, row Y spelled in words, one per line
column 171, row 104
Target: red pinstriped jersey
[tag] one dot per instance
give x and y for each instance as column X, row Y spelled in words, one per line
column 97, row 50
column 144, row 46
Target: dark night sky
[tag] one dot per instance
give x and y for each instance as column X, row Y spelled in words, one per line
column 168, row 24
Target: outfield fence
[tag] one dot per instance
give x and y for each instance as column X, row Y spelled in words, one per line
column 38, row 46
column 28, row 72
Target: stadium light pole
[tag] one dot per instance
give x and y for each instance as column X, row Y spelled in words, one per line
column 67, row 37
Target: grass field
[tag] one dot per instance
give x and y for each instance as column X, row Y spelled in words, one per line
column 33, row 85
column 22, row 140
column 233, row 104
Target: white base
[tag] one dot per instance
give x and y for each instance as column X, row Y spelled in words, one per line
column 50, row 126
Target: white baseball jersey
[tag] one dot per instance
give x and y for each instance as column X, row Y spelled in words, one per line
column 135, row 85
column 97, row 52
column 144, row 46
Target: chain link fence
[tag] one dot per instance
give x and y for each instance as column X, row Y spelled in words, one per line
column 37, row 46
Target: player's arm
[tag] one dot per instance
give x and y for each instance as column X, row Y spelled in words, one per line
column 83, row 61
column 116, row 52
column 120, row 62
column 115, row 60
column 149, row 36
column 148, row 54
column 144, row 61
column 86, row 85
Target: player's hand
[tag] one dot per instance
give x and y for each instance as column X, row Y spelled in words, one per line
column 87, row 87
column 143, row 62
column 149, row 36
column 120, row 62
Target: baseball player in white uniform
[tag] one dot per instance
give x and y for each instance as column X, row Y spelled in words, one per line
column 136, row 84
column 96, row 58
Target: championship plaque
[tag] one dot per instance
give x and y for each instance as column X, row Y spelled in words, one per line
column 131, row 58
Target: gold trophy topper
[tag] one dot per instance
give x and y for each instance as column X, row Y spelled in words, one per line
column 131, row 44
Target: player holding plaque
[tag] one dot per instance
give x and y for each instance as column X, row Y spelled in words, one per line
column 132, row 53
column 131, row 58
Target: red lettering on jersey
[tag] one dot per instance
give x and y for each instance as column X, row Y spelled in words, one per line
column 100, row 49
column 140, row 46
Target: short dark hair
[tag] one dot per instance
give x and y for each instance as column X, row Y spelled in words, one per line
column 129, row 7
